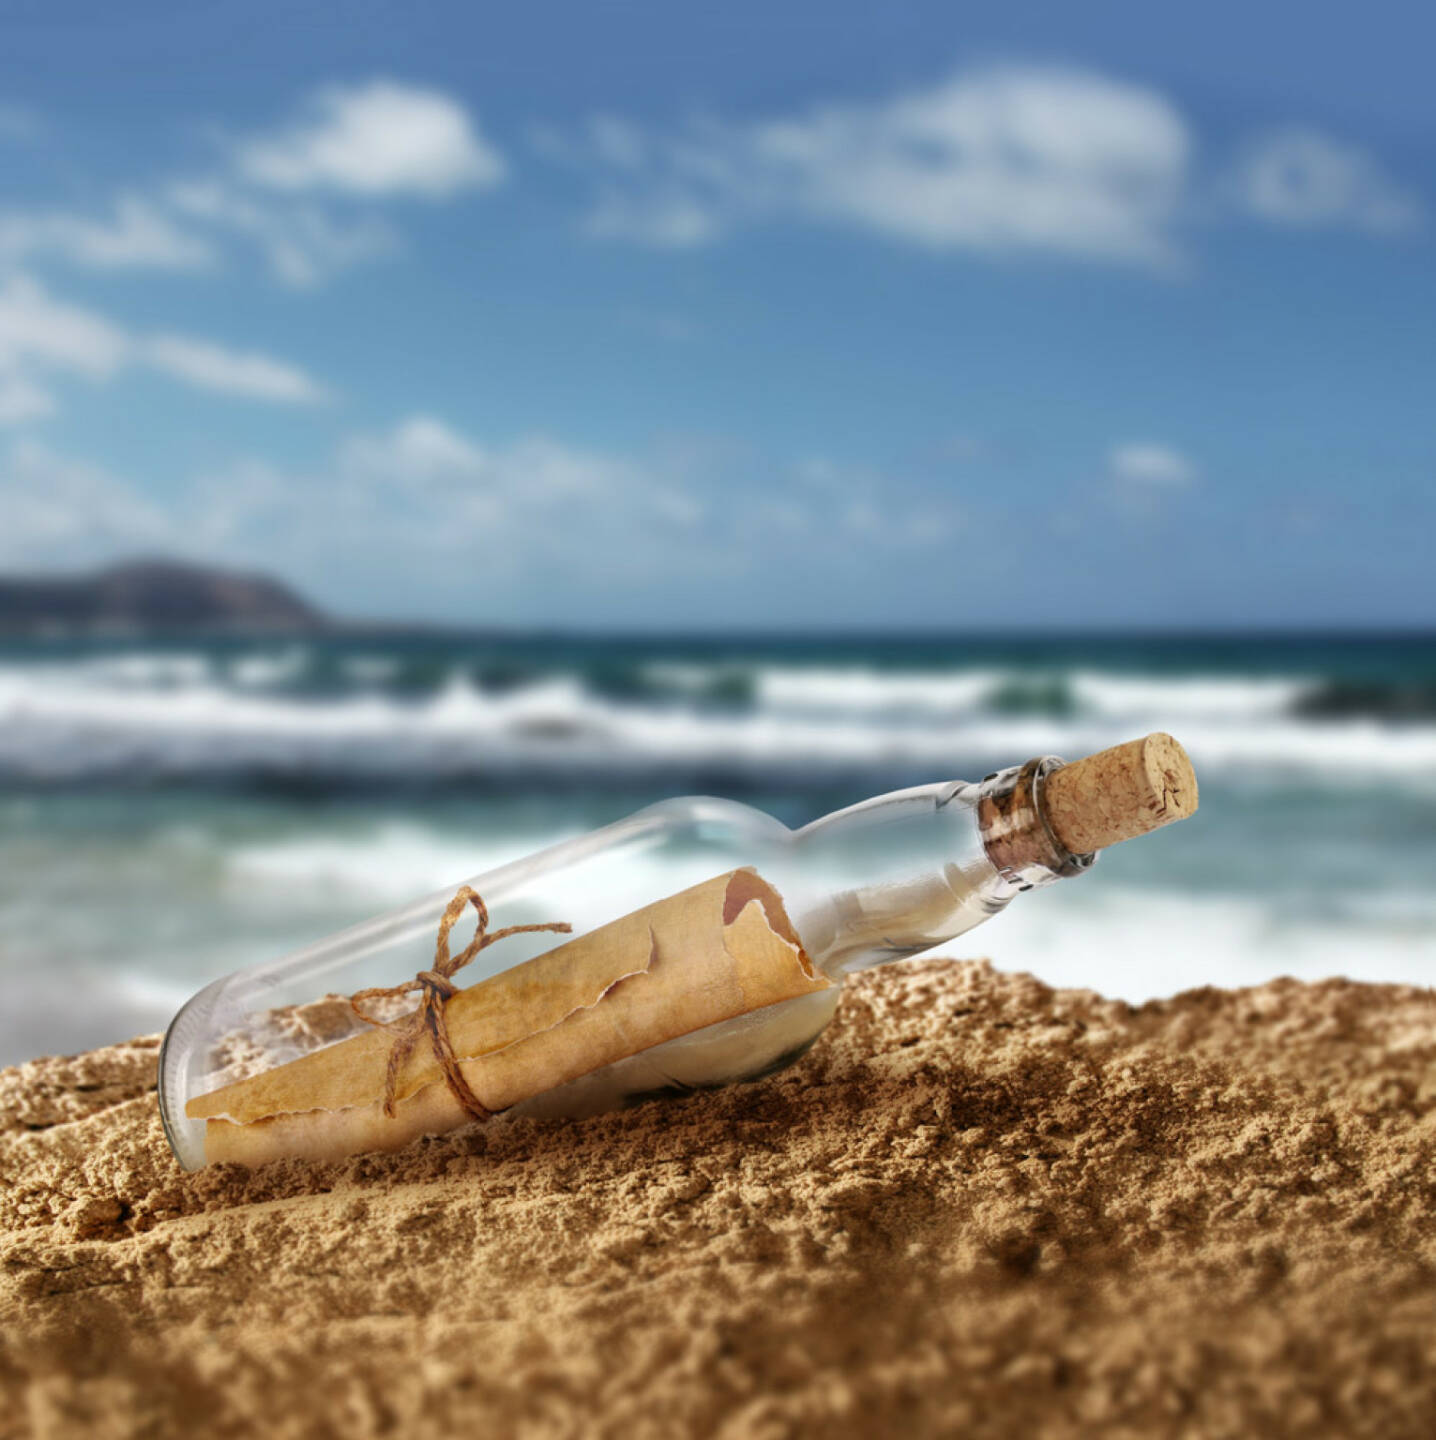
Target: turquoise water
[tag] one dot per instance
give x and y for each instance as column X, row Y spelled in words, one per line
column 172, row 809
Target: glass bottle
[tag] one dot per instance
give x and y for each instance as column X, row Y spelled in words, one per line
column 878, row 881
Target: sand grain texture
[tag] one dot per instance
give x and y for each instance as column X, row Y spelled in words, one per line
column 978, row 1206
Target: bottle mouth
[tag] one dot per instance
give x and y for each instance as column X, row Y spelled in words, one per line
column 1014, row 827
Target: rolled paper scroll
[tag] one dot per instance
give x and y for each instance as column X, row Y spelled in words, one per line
column 711, row 953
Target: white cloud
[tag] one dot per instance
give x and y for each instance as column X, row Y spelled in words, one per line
column 376, row 139
column 424, row 511
column 456, row 482
column 668, row 219
column 1303, row 178
column 1007, row 160
column 835, row 505
column 1141, row 462
column 426, row 496
column 37, row 329
column 42, row 337
column 453, row 514
column 231, row 372
column 618, row 141
column 1012, row 159
column 304, row 196
column 21, row 400
column 63, row 511
column 420, row 451
column 426, row 516
column 421, row 494
column 139, row 233
column 301, row 242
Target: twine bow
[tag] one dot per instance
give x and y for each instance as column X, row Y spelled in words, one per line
column 436, row 989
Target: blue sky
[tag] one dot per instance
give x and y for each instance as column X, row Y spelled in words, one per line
column 746, row 315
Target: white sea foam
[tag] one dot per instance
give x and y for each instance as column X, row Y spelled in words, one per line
column 174, row 715
column 131, row 669
column 177, row 913
column 859, row 691
column 1104, row 932
column 1126, row 941
column 1193, row 697
column 1134, row 945
column 62, row 1014
column 388, row 865
column 1139, row 945
column 265, row 670
column 855, row 690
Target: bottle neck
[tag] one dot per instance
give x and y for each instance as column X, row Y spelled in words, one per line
column 1016, row 834
column 903, row 872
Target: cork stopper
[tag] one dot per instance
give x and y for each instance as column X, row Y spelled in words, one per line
column 1119, row 793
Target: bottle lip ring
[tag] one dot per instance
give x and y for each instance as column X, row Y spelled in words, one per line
column 1014, row 828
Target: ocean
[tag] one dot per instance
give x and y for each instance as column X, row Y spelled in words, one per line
column 174, row 808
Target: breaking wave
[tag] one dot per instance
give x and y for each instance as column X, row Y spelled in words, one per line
column 308, row 714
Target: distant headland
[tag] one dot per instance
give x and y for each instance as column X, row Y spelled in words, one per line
column 153, row 595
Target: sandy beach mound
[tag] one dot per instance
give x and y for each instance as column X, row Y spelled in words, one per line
column 979, row 1206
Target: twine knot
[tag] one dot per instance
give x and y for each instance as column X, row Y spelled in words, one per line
column 435, row 989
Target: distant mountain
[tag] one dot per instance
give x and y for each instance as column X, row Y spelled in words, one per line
column 153, row 595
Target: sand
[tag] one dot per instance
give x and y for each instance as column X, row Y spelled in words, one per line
column 978, row 1206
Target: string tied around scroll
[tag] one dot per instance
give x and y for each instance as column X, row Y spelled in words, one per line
column 435, row 989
